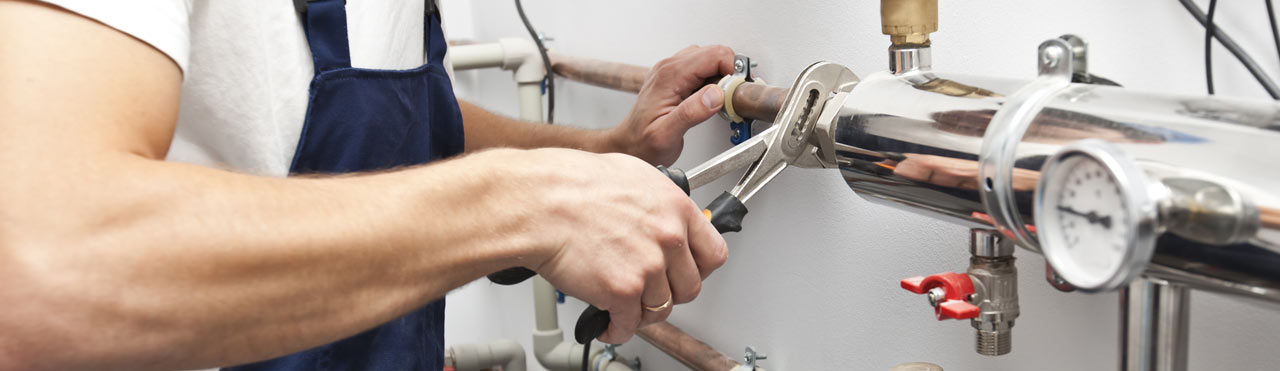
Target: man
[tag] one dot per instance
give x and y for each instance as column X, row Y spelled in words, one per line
column 146, row 220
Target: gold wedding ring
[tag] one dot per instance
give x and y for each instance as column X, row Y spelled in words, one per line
column 659, row 308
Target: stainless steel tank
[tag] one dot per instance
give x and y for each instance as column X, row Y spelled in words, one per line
column 914, row 137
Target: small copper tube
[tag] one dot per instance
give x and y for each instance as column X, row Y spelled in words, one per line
column 754, row 101
column 689, row 351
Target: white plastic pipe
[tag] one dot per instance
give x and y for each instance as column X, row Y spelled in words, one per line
column 530, row 95
column 470, row 57
column 546, row 315
column 475, row 357
column 549, row 346
column 512, row 54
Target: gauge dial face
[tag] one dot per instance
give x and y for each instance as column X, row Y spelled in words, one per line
column 1091, row 212
column 1089, row 218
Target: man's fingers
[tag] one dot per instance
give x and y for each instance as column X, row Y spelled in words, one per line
column 696, row 108
column 683, row 275
column 687, row 50
column 624, row 318
column 711, row 61
column 705, row 244
column 689, row 68
column 657, row 291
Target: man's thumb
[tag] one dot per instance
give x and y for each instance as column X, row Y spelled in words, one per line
column 698, row 107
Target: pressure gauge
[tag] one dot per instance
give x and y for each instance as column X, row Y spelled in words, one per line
column 1094, row 217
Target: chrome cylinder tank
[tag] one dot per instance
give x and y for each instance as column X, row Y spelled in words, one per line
column 913, row 139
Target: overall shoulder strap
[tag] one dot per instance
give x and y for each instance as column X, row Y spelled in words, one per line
column 435, row 44
column 325, row 23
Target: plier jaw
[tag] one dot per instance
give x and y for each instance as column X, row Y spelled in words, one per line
column 801, row 134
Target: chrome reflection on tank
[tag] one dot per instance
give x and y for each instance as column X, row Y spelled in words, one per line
column 914, row 140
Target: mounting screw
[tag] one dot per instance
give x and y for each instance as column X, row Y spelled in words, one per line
column 545, row 38
column 752, row 357
column 1050, row 57
column 738, row 66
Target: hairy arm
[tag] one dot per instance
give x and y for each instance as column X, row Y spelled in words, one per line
column 112, row 258
column 486, row 129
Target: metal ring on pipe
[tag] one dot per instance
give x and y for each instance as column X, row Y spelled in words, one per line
column 1005, row 131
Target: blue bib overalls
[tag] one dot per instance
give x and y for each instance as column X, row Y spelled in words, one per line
column 362, row 120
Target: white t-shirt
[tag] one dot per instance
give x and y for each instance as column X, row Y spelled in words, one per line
column 247, row 67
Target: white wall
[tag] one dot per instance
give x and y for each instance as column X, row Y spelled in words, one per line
column 813, row 278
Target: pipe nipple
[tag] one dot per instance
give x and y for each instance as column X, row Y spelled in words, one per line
column 994, row 343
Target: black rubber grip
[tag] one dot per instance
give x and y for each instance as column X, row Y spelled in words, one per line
column 727, row 213
column 591, row 324
column 511, row 276
column 677, row 176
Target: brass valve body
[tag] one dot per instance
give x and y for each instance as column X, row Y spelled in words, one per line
column 908, row 22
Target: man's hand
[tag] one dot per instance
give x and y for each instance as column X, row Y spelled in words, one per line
column 672, row 101
column 621, row 235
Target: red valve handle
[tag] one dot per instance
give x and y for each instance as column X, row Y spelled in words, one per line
column 957, row 286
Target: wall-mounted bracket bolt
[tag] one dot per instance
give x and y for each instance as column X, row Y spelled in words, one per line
column 610, row 353
column 752, row 357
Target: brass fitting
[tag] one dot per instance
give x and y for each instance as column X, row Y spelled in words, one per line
column 908, row 22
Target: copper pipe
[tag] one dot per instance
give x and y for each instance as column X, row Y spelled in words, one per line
column 754, row 101
column 689, row 351
column 1270, row 217
column 758, row 101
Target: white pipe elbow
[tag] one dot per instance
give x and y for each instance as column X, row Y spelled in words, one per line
column 512, row 54
column 474, row 357
column 556, row 354
column 522, row 56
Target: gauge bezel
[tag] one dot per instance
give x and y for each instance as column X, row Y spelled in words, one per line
column 1141, row 215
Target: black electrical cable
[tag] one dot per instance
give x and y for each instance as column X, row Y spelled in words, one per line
column 1230, row 44
column 1275, row 33
column 550, row 78
column 1208, row 45
column 586, row 354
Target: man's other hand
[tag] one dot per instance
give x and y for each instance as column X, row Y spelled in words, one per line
column 672, row 100
column 613, row 231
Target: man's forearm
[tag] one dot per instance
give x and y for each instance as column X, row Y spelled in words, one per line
column 485, row 129
column 198, row 267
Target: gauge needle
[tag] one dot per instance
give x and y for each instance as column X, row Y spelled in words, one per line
column 1092, row 217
